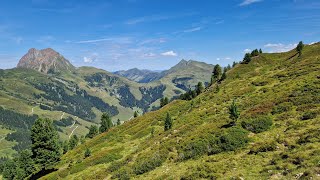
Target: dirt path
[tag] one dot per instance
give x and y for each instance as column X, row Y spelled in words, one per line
column 62, row 116
column 73, row 131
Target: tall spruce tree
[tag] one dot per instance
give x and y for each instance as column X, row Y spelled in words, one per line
column 73, row 142
column 300, row 47
column 168, row 122
column 224, row 76
column 45, row 144
column 118, row 122
column 199, row 88
column 247, row 58
column 216, row 74
column 106, row 123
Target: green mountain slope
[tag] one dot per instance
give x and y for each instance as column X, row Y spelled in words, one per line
column 281, row 87
column 46, row 85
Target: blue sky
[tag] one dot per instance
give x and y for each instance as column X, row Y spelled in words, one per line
column 154, row 34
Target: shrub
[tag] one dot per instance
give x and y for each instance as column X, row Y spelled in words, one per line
column 148, row 164
column 233, row 138
column 284, row 107
column 309, row 115
column 263, row 147
column 195, row 149
column 122, row 174
column 257, row 125
column 87, row 153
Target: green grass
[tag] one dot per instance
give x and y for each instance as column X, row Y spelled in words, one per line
column 198, row 147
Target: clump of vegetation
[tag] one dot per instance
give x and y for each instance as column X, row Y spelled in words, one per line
column 93, row 131
column 168, row 122
column 309, row 115
column 284, row 107
column 164, row 101
column 135, row 114
column 257, row 125
column 144, row 165
column 87, row 153
column 233, row 112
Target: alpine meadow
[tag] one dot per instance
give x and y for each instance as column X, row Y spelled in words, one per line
column 136, row 89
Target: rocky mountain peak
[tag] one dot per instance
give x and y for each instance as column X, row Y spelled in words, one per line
column 45, row 61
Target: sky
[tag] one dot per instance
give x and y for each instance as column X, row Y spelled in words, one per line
column 154, row 34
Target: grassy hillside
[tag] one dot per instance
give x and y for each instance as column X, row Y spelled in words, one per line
column 280, row 88
column 77, row 98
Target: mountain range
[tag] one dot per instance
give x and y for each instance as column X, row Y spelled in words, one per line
column 45, row 84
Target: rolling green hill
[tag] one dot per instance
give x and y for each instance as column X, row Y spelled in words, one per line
column 46, row 85
column 276, row 137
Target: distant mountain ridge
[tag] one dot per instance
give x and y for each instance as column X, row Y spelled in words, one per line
column 45, row 61
column 146, row 76
column 141, row 76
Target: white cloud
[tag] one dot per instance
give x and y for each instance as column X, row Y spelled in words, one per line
column 148, row 55
column 247, row 50
column 248, row 2
column 90, row 59
column 279, row 47
column 193, row 29
column 312, row 43
column 169, row 53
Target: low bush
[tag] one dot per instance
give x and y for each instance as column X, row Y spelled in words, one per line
column 284, row 107
column 123, row 173
column 144, row 165
column 263, row 147
column 257, row 125
column 309, row 115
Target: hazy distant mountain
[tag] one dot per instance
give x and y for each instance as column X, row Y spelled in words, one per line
column 141, row 76
column 45, row 60
column 187, row 70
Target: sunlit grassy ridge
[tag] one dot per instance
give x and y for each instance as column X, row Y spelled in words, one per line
column 282, row 87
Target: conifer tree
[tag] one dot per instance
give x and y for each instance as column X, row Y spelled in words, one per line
column 135, row 114
column 168, row 122
column 216, row 74
column 73, row 142
column 118, row 122
column 247, row 58
column 233, row 112
column 93, row 131
column 224, row 76
column 199, row 88
column 260, row 51
column 106, row 123
column 45, row 144
column 300, row 47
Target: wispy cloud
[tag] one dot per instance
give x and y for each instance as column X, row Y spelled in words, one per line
column 169, row 53
column 279, row 47
column 248, row 2
column 155, row 18
column 153, row 41
column 192, row 29
column 123, row 40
